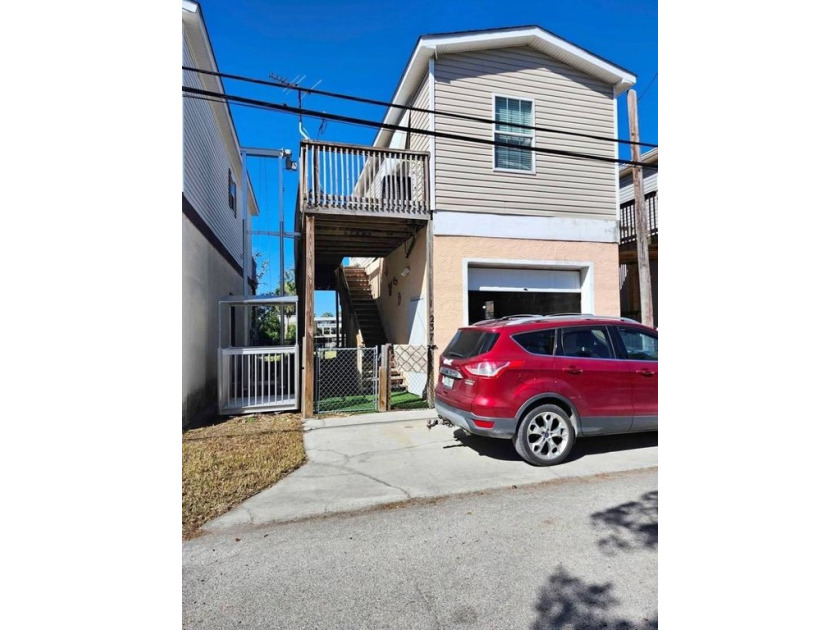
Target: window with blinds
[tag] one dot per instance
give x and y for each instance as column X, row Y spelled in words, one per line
column 510, row 112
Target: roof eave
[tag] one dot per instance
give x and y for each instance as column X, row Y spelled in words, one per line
column 537, row 37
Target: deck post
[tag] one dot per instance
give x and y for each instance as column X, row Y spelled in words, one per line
column 308, row 406
column 337, row 320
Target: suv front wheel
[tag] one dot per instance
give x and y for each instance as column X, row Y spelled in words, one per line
column 545, row 436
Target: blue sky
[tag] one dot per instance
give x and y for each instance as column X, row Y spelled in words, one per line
column 361, row 48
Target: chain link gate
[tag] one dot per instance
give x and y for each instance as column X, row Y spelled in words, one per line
column 347, row 379
column 410, row 377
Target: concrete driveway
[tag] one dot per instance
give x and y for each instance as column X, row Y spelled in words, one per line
column 374, row 459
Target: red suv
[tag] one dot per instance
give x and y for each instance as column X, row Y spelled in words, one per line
column 544, row 381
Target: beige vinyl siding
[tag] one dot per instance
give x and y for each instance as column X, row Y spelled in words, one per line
column 206, row 163
column 563, row 97
column 420, row 142
column 650, row 184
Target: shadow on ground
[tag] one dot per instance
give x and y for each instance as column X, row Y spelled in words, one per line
column 503, row 449
column 568, row 602
column 629, row 526
column 486, row 447
column 612, row 443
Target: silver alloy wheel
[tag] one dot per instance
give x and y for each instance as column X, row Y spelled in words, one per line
column 546, row 435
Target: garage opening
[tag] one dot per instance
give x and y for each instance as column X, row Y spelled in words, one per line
column 499, row 292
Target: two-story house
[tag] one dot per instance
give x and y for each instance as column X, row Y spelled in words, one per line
column 211, row 221
column 453, row 231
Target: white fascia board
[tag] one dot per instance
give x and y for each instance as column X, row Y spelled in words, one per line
column 558, row 228
column 429, row 47
column 409, row 83
column 620, row 78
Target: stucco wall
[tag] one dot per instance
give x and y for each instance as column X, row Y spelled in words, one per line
column 394, row 306
column 205, row 278
column 449, row 281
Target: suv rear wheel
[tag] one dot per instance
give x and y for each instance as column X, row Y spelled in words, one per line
column 545, row 436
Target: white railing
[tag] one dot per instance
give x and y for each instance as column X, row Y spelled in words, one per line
column 361, row 262
column 258, row 379
column 363, row 179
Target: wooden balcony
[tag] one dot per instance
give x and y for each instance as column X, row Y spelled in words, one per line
column 346, row 179
column 627, row 228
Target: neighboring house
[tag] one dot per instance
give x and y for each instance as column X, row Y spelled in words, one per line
column 326, row 332
column 211, row 220
column 449, row 232
column 628, row 255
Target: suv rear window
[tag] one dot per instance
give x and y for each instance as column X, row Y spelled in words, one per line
column 470, row 343
column 537, row 341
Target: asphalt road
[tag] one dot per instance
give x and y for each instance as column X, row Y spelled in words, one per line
column 573, row 553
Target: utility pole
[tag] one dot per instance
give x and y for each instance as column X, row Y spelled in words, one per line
column 645, row 293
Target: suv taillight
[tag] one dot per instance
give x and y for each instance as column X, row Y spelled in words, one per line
column 489, row 369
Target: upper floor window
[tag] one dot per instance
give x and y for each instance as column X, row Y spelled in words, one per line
column 508, row 113
column 231, row 192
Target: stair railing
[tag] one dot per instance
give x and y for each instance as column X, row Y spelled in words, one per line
column 344, row 288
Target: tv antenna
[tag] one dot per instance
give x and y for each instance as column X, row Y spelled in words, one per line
column 302, row 93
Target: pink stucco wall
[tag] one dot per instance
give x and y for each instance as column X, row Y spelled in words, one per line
column 449, row 280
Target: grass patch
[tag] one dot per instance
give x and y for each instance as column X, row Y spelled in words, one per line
column 224, row 464
column 407, row 400
column 349, row 404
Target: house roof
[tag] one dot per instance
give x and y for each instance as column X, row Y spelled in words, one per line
column 464, row 41
column 648, row 157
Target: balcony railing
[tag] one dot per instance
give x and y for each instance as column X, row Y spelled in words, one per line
column 353, row 179
column 627, row 224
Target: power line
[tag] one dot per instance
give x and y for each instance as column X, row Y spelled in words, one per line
column 437, row 134
column 280, row 83
column 648, row 86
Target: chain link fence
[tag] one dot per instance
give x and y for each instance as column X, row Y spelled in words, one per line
column 410, row 374
column 347, row 379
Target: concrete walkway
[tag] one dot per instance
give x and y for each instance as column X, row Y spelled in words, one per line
column 374, row 459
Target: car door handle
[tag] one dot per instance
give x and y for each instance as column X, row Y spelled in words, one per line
column 646, row 372
column 573, row 370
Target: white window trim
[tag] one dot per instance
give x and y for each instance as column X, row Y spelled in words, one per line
column 533, row 134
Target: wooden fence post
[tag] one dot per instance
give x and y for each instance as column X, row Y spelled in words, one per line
column 385, row 378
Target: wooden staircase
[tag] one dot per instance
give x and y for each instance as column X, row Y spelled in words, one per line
column 363, row 307
column 397, row 379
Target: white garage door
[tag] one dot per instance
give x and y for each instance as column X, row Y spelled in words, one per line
column 511, row 279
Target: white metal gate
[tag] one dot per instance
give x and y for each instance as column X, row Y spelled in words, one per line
column 258, row 379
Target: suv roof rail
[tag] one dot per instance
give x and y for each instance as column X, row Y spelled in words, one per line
column 509, row 318
column 592, row 316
